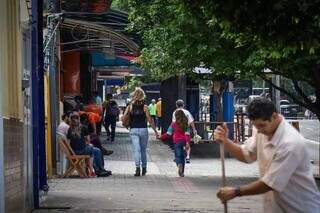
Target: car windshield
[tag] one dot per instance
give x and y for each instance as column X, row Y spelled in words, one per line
column 242, row 101
column 284, row 102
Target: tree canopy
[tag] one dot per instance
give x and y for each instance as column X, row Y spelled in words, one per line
column 122, row 5
column 236, row 39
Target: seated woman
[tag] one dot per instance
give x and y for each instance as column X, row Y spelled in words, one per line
column 81, row 146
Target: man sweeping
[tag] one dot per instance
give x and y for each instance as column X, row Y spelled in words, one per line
column 286, row 178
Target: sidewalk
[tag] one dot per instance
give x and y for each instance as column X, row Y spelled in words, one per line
column 161, row 190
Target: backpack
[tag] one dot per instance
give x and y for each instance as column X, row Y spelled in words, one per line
column 113, row 110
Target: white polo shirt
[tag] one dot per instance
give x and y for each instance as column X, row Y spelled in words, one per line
column 62, row 129
column 284, row 165
column 186, row 112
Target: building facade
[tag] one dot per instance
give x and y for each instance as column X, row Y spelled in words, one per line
column 15, row 131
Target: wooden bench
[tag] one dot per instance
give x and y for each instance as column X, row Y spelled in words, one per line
column 77, row 162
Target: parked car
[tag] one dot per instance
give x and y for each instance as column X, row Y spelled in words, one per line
column 241, row 106
column 252, row 97
column 284, row 102
column 289, row 110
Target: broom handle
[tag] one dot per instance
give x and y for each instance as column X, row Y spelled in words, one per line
column 225, row 205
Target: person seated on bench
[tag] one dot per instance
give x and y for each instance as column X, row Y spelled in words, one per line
column 63, row 127
column 80, row 144
column 93, row 138
column 86, row 129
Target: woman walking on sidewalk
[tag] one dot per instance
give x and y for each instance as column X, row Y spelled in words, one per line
column 180, row 132
column 139, row 115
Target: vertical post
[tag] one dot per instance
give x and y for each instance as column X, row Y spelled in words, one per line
column 228, row 109
column 276, row 92
column 53, row 6
column 182, row 87
column 104, row 90
column 2, row 189
column 2, row 169
column 213, row 109
column 34, row 76
column 48, row 104
column 53, row 117
column 39, row 158
column 3, row 6
column 53, row 102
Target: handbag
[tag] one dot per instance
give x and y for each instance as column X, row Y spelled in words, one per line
column 126, row 118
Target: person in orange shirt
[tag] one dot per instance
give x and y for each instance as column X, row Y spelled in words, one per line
column 159, row 112
column 97, row 109
column 93, row 119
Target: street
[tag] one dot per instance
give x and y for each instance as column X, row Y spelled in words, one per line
column 310, row 129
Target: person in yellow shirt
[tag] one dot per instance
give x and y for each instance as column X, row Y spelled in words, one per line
column 158, row 110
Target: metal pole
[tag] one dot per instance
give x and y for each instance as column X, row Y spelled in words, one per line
column 276, row 93
column 2, row 169
column 34, row 53
column 53, row 99
column 225, row 205
column 38, row 119
column 2, row 193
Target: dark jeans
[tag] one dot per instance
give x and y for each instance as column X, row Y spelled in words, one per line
column 98, row 126
column 179, row 153
column 95, row 141
column 111, row 122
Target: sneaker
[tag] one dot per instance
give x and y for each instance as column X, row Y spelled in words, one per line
column 187, row 160
column 92, row 175
column 106, row 152
column 104, row 173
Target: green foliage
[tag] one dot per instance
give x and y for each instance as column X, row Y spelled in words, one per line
column 138, row 81
column 133, row 82
column 122, row 5
column 236, row 39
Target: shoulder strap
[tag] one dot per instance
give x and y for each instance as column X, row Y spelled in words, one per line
column 129, row 107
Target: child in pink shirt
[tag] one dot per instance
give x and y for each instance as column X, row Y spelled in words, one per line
column 180, row 133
